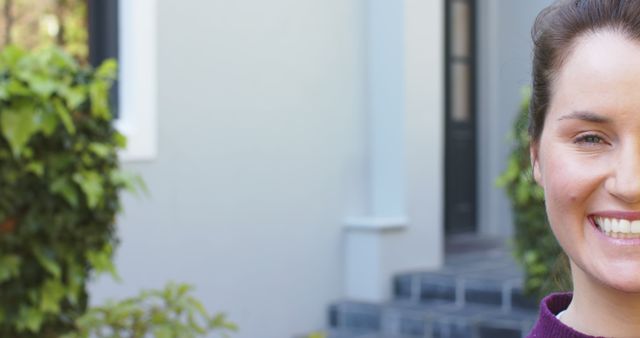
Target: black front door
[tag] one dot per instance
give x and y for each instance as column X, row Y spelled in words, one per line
column 460, row 122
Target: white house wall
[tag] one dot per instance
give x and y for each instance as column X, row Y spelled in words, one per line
column 262, row 152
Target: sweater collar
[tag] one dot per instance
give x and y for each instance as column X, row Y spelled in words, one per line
column 550, row 326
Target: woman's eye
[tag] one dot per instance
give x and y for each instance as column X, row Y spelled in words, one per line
column 592, row 139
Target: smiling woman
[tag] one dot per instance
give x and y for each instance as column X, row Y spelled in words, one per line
column 585, row 153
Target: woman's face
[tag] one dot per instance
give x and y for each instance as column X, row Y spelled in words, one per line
column 588, row 159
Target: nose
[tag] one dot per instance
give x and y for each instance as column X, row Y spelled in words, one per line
column 625, row 181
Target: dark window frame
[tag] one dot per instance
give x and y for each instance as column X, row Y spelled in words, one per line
column 103, row 23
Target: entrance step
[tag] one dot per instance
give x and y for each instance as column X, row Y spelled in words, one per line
column 428, row 319
column 475, row 295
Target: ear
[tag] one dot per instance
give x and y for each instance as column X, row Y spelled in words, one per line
column 535, row 162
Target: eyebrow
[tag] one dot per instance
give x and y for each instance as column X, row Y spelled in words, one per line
column 585, row 115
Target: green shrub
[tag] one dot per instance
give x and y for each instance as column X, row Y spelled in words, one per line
column 534, row 246
column 59, row 184
column 168, row 313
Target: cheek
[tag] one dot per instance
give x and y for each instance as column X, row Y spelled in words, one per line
column 564, row 181
column 570, row 183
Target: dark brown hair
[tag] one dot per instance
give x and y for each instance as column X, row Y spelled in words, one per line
column 555, row 32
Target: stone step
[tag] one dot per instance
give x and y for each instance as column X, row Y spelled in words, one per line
column 356, row 316
column 490, row 287
column 475, row 295
column 429, row 319
column 351, row 334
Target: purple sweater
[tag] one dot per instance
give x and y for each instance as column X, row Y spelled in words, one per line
column 548, row 326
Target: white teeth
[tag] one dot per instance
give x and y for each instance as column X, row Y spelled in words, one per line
column 613, row 226
column 625, row 226
column 635, row 227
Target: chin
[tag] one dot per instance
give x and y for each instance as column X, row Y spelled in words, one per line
column 627, row 285
column 625, row 278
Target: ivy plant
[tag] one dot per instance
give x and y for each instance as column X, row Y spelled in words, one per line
column 59, row 183
column 534, row 246
column 169, row 313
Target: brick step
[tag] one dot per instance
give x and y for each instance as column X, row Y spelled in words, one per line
column 429, row 319
column 349, row 334
column 475, row 295
column 488, row 288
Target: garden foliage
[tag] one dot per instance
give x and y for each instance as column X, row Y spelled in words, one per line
column 59, row 184
column 168, row 313
column 535, row 247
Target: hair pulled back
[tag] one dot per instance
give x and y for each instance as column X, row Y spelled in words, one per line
column 555, row 32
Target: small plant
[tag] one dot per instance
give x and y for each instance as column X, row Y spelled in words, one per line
column 168, row 313
column 534, row 245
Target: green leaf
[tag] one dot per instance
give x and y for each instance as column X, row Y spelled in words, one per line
column 316, row 335
column 9, row 267
column 101, row 261
column 49, row 123
column 75, row 278
column 510, row 174
column 63, row 187
column 219, row 321
column 19, row 125
column 107, row 70
column 98, row 92
column 163, row 331
column 47, row 262
column 52, row 293
column 100, row 149
column 523, row 192
column 36, row 168
column 74, row 96
column 90, row 183
column 29, row 319
column 120, row 140
column 538, row 193
column 42, row 85
column 530, row 257
column 130, row 181
column 11, row 55
column 60, row 59
column 4, row 91
column 17, row 88
column 64, row 116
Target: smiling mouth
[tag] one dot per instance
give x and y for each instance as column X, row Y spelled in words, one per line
column 618, row 228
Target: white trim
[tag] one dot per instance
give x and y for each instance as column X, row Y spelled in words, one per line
column 386, row 107
column 137, row 87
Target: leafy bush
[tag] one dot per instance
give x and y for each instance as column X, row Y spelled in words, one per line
column 59, row 183
column 534, row 245
column 168, row 313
